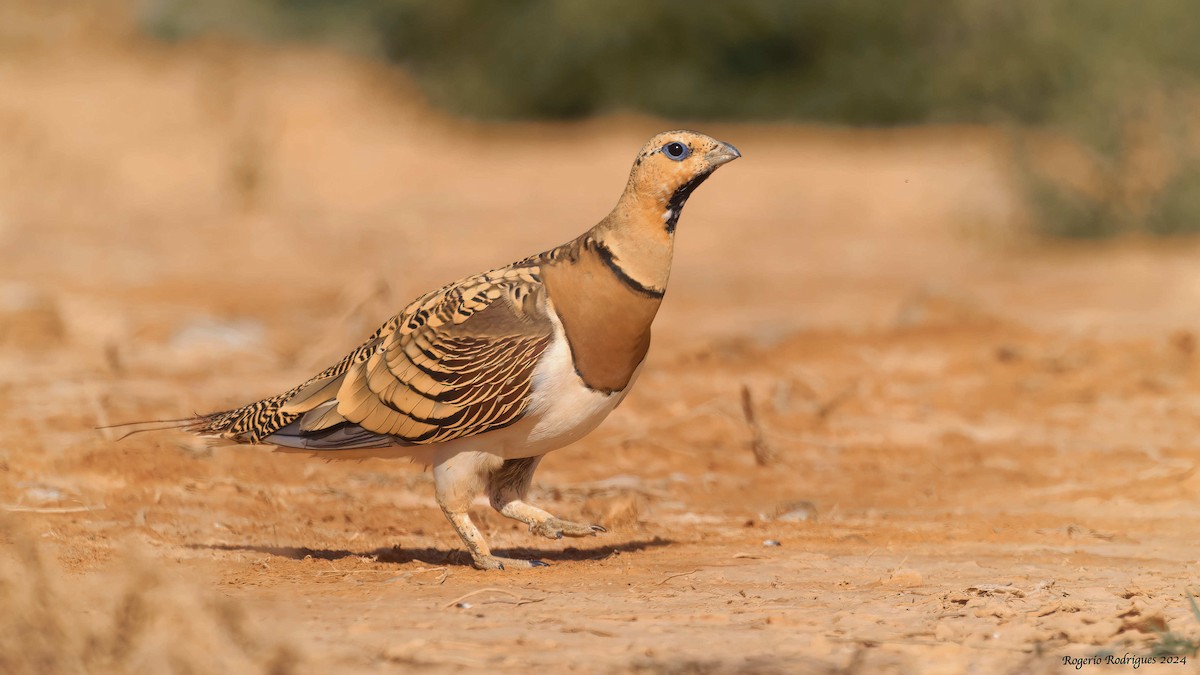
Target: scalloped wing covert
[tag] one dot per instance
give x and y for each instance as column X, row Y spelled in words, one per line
column 456, row 362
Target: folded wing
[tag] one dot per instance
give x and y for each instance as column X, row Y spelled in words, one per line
column 455, row 363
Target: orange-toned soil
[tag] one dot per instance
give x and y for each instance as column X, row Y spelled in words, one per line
column 981, row 450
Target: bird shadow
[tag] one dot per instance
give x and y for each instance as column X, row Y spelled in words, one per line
column 434, row 556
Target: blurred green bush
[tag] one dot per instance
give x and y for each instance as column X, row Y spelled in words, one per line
column 1100, row 71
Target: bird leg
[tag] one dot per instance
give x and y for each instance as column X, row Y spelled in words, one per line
column 507, row 489
column 457, row 478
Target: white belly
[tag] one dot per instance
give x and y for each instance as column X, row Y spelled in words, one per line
column 562, row 409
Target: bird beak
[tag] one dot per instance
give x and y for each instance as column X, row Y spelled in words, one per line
column 722, row 154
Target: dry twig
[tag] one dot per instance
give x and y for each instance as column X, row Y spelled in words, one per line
column 521, row 600
column 763, row 453
column 673, row 576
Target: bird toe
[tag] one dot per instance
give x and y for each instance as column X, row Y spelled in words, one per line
column 492, row 562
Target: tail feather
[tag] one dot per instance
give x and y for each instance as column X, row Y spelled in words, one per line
column 145, row 425
column 248, row 424
column 303, row 417
column 255, row 422
column 265, row 422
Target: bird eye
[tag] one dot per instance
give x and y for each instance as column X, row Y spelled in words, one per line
column 676, row 150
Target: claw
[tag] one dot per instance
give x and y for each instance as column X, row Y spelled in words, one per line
column 553, row 528
column 504, row 564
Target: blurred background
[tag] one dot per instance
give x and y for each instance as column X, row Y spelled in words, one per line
column 957, row 262
column 897, row 148
column 1117, row 78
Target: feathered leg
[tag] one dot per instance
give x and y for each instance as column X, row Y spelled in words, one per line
column 507, row 489
column 457, row 478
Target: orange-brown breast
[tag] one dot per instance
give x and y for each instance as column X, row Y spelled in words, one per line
column 606, row 319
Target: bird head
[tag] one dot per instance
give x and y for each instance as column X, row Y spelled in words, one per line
column 671, row 165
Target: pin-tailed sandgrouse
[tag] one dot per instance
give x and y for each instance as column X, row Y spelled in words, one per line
column 483, row 377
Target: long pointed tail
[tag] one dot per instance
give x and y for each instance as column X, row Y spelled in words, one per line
column 184, row 423
column 248, row 424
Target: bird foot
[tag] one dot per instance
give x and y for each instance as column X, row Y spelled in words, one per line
column 492, row 562
column 554, row 528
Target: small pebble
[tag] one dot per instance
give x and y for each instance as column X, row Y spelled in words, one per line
column 771, row 542
column 463, row 605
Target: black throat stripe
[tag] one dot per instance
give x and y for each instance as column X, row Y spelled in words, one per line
column 675, row 204
column 607, row 256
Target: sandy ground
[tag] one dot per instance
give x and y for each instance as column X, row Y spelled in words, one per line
column 980, row 450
